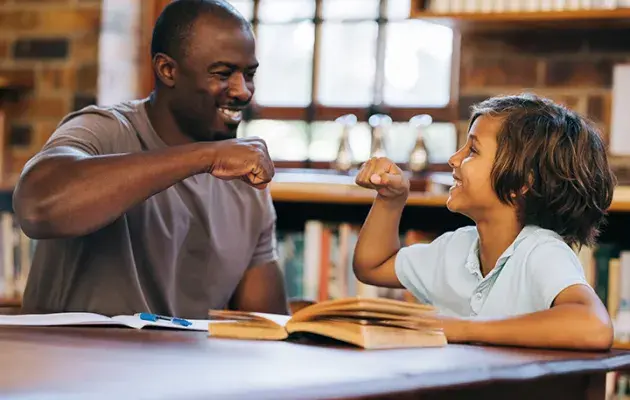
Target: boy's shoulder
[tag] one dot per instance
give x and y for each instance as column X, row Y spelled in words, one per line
column 463, row 237
column 539, row 244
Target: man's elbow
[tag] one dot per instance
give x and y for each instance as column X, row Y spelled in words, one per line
column 33, row 220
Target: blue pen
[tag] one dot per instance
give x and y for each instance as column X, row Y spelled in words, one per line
column 155, row 317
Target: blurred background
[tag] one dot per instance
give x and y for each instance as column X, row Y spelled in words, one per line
column 402, row 74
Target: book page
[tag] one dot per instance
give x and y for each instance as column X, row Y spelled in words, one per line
column 56, row 319
column 275, row 318
column 135, row 322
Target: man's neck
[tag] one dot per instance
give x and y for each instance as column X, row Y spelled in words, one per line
column 163, row 121
column 495, row 235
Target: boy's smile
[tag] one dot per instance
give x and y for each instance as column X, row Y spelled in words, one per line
column 472, row 193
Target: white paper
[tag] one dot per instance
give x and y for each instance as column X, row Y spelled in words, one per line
column 80, row 318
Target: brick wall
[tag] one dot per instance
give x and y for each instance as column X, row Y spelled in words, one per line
column 53, row 45
column 570, row 66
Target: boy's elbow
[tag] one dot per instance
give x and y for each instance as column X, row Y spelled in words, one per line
column 362, row 272
column 601, row 335
column 602, row 338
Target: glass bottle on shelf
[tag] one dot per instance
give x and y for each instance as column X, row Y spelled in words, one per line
column 343, row 161
column 419, row 157
column 379, row 124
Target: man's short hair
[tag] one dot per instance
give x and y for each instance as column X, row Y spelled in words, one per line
column 174, row 24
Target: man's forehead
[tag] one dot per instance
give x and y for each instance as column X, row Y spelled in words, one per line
column 228, row 43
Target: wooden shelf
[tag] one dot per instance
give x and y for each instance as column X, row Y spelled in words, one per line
column 332, row 188
column 578, row 19
column 341, row 189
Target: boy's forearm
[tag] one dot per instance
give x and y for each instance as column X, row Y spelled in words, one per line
column 379, row 236
column 569, row 326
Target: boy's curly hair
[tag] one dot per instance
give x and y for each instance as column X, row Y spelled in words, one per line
column 560, row 160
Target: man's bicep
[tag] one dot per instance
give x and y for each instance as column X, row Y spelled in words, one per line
column 265, row 250
column 261, row 290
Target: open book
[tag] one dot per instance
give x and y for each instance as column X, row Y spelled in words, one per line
column 84, row 318
column 369, row 323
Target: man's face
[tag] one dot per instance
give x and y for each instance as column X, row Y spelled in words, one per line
column 215, row 79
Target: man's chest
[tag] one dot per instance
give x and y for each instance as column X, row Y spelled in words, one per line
column 182, row 228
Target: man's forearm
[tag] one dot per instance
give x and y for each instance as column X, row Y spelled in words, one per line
column 66, row 193
column 379, row 236
column 570, row 326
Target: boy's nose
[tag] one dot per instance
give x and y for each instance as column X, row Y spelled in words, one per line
column 453, row 161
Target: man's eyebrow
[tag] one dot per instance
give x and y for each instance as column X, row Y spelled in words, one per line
column 223, row 64
column 474, row 138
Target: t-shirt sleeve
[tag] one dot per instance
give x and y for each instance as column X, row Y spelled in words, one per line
column 266, row 248
column 416, row 264
column 551, row 268
column 87, row 132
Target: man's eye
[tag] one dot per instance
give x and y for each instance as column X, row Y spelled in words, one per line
column 250, row 75
column 223, row 75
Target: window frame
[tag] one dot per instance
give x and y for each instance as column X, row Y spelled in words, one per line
column 316, row 111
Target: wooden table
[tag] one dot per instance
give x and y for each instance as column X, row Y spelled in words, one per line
column 117, row 363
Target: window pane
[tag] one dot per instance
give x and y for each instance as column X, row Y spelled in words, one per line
column 325, row 141
column 440, row 140
column 398, row 9
column 286, row 140
column 245, row 7
column 285, row 53
column 418, row 64
column 347, row 63
column 354, row 9
column 286, row 10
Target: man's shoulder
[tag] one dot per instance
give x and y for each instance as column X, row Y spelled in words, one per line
column 94, row 114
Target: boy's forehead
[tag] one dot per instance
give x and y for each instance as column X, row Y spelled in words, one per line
column 486, row 127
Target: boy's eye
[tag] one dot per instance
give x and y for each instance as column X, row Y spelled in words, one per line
column 473, row 150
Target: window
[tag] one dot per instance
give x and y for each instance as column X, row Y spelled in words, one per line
column 320, row 59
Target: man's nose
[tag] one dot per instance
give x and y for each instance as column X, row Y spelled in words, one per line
column 238, row 88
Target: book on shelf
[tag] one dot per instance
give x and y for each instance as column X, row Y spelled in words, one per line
column 369, row 323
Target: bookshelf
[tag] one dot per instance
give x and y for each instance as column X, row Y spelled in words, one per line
column 341, row 189
column 517, row 20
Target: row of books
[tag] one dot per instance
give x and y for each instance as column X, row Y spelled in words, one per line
column 16, row 251
column 317, row 266
column 495, row 6
column 607, row 270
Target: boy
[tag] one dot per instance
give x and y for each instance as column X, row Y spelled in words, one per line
column 535, row 179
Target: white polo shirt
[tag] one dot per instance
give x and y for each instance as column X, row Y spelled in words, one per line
column 528, row 276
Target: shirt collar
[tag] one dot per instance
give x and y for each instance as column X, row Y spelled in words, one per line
column 472, row 261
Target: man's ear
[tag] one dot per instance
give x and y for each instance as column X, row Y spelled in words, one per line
column 165, row 69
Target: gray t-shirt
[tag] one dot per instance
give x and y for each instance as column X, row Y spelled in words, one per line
column 180, row 252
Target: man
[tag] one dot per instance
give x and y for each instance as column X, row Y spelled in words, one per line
column 154, row 205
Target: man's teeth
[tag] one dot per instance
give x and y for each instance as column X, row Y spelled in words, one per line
column 235, row 115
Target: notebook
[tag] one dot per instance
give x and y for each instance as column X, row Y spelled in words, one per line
column 84, row 318
column 368, row 323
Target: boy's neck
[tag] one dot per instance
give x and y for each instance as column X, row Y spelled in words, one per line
column 495, row 235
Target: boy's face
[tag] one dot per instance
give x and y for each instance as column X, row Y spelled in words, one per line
column 472, row 194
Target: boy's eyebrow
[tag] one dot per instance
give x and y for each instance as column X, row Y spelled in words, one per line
column 474, row 138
